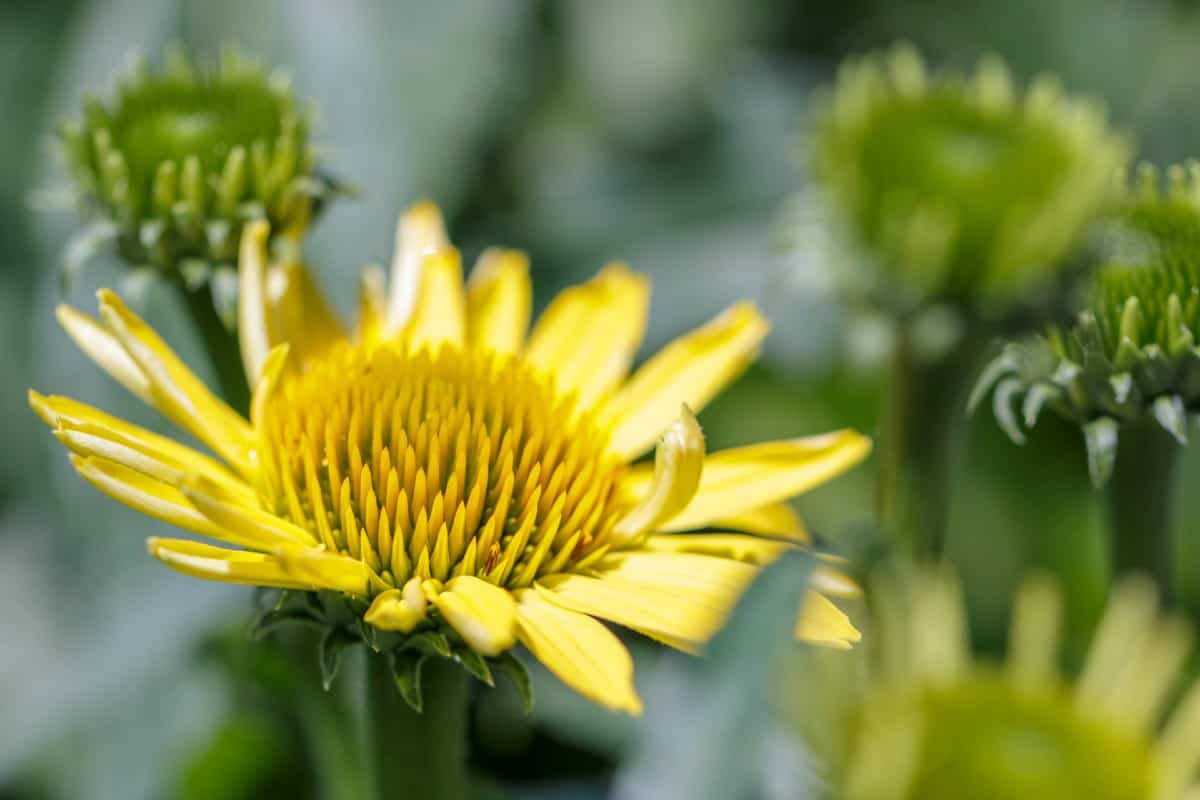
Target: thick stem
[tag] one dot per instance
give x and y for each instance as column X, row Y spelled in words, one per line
column 221, row 346
column 921, row 425
column 418, row 755
column 1140, row 503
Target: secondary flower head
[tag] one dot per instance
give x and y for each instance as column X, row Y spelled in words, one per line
column 1131, row 353
column 174, row 165
column 456, row 485
column 959, row 188
column 935, row 724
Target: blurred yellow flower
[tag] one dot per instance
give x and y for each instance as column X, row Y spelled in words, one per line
column 935, row 724
column 444, row 471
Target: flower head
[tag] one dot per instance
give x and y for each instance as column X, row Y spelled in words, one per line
column 451, row 485
column 175, row 164
column 935, row 724
column 959, row 188
column 1130, row 354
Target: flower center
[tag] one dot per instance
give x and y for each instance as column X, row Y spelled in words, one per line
column 441, row 464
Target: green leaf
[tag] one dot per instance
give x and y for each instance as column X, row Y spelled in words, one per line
column 273, row 618
column 406, row 674
column 707, row 718
column 333, row 643
column 475, row 664
column 430, row 642
column 518, row 674
column 1100, row 437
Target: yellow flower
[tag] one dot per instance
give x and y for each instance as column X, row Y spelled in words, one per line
column 445, row 471
column 934, row 724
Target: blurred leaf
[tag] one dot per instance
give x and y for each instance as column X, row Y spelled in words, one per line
column 519, row 675
column 706, row 719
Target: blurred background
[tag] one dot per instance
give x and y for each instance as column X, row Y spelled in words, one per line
column 667, row 133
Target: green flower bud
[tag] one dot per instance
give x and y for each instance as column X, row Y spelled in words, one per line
column 180, row 158
column 1131, row 354
column 959, row 188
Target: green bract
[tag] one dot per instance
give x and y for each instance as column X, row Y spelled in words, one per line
column 1131, row 354
column 960, row 188
column 179, row 159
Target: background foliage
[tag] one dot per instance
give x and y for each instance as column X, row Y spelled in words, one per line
column 663, row 132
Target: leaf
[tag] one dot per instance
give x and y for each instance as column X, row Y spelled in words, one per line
column 431, row 643
column 475, row 664
column 518, row 674
column 406, row 674
column 707, row 719
column 333, row 643
column 273, row 618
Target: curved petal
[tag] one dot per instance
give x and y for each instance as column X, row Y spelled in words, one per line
column 329, row 571
column 98, row 344
column 499, row 301
column 581, row 652
column 399, row 609
column 678, row 598
column 821, row 622
column 678, row 461
column 776, row 520
column 249, row 523
column 254, row 337
column 419, row 232
column 745, row 478
column 588, row 335
column 439, row 315
column 220, row 564
column 482, row 613
column 691, row 370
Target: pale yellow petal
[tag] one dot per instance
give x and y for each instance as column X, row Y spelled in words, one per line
column 588, row 335
column 249, row 523
column 399, row 609
column 581, row 652
column 329, row 571
column 692, row 370
column 219, row 564
column 679, row 598
column 254, row 336
column 372, row 305
column 499, row 301
column 746, row 478
column 439, row 316
column 268, row 379
column 175, row 390
column 298, row 314
column 777, row 520
column 483, row 614
column 419, row 232
column 98, row 343
column 678, row 461
column 821, row 622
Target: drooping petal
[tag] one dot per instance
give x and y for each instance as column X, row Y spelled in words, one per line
column 588, row 335
column 821, row 622
column 98, row 343
column 745, row 478
column 678, row 598
column 691, row 370
column 419, row 232
column 499, row 301
column 439, row 315
column 175, row 390
column 399, row 609
column 677, row 464
column 220, row 564
column 580, row 651
column 483, row 614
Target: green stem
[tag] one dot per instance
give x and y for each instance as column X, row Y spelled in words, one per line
column 1140, row 503
column 418, row 755
column 221, row 346
column 921, row 425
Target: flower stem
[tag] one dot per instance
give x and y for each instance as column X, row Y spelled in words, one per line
column 921, row 423
column 1140, row 503
column 221, row 346
column 418, row 755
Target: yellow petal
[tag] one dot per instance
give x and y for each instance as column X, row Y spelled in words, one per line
column 106, row 350
column 254, row 337
column 419, row 232
column 821, row 622
column 372, row 305
column 588, row 335
column 691, row 370
column 746, row 478
column 677, row 464
column 679, row 598
column 219, row 564
column 329, row 571
column 581, row 652
column 175, row 389
column 89, row 431
column 733, row 546
column 297, row 313
column 499, row 299
column 482, row 613
column 251, row 524
column 399, row 609
column 777, row 520
column 268, row 379
column 439, row 316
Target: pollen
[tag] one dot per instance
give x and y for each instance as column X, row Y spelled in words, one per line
column 436, row 465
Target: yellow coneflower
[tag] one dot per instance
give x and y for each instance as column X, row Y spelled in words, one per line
column 935, row 724
column 446, row 472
